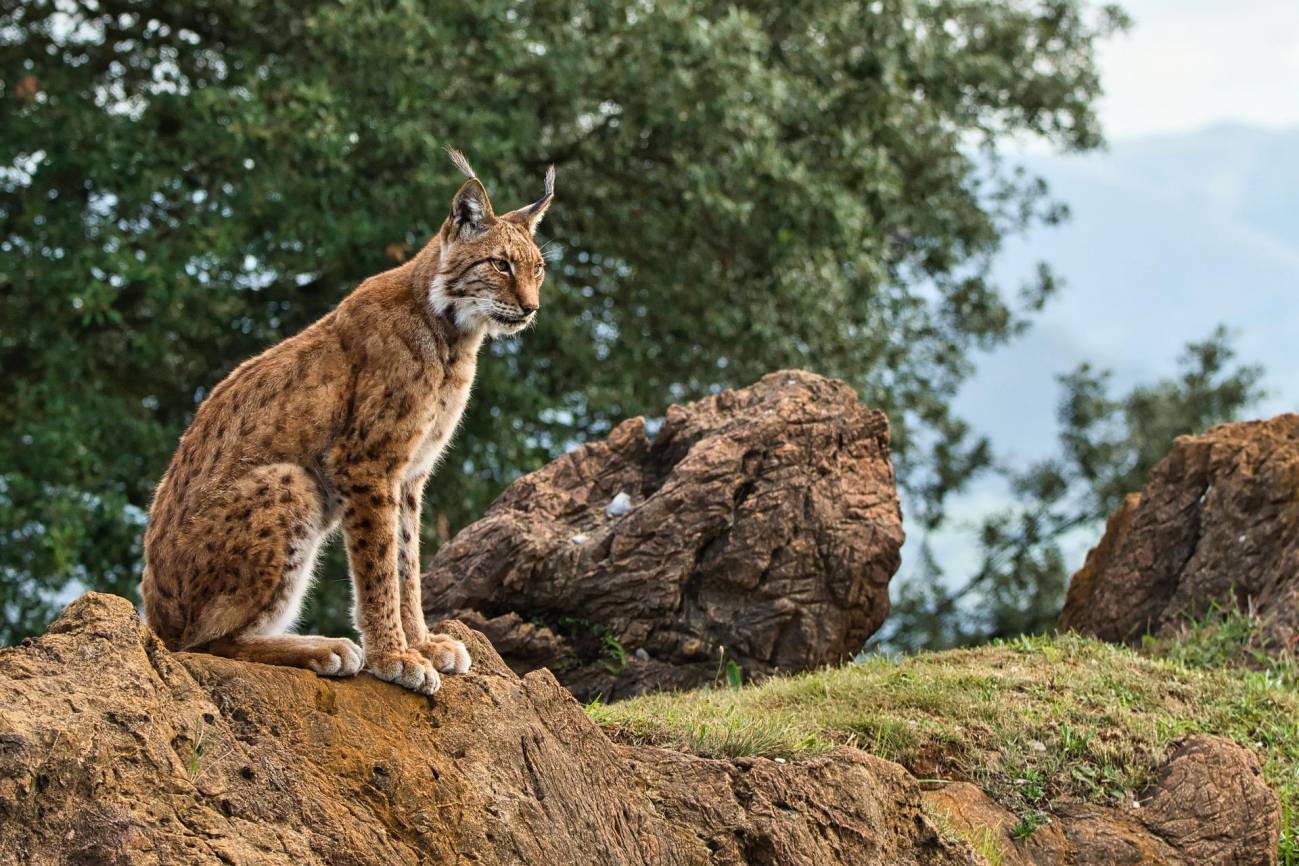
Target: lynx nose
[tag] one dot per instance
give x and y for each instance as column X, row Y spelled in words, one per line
column 528, row 309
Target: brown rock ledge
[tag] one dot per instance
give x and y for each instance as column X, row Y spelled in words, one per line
column 115, row 751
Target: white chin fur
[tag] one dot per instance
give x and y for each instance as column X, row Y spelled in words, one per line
column 469, row 314
column 500, row 329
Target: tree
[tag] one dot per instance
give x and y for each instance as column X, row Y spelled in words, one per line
column 1108, row 445
column 742, row 186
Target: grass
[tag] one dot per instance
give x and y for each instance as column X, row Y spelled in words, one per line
column 985, row 841
column 1029, row 720
column 194, row 765
column 988, row 848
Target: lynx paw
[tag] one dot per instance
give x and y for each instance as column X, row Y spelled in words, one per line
column 447, row 654
column 407, row 668
column 339, row 658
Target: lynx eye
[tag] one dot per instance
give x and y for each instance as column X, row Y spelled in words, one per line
column 540, row 267
column 501, row 266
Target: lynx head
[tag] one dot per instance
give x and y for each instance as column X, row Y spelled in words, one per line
column 490, row 272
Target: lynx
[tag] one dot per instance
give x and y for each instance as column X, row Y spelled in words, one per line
column 342, row 423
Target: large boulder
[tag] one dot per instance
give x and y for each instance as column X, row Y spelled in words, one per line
column 759, row 526
column 1216, row 524
column 115, row 751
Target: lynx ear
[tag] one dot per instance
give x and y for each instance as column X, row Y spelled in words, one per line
column 471, row 211
column 531, row 215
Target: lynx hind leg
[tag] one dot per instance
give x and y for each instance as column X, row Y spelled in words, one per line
column 447, row 654
column 327, row 656
column 254, row 555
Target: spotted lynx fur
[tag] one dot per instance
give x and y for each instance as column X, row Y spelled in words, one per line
column 342, row 423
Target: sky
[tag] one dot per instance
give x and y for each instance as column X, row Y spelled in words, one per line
column 1188, row 64
column 1190, row 219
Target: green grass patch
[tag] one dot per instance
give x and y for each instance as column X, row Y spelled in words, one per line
column 1029, row 720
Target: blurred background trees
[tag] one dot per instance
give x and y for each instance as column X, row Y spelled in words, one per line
column 742, row 186
column 1108, row 443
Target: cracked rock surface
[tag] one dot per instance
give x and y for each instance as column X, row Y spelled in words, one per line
column 1206, row 806
column 763, row 520
column 115, row 751
column 1216, row 524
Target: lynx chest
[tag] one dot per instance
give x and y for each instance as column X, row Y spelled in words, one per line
column 445, row 410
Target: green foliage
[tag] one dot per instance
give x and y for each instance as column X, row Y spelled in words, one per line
column 729, row 673
column 1028, row 824
column 1108, row 444
column 616, row 661
column 742, row 186
column 734, row 674
column 1030, row 720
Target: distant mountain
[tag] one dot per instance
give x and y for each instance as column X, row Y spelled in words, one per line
column 1169, row 237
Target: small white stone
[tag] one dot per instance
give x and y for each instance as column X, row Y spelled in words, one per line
column 619, row 505
column 580, row 538
column 641, row 654
column 779, row 760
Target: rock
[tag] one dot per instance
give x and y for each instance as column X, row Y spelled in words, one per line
column 764, row 521
column 973, row 815
column 1217, row 523
column 115, row 751
column 1209, row 802
column 1208, row 806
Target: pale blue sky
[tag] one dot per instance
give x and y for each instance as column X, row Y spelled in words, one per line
column 1187, row 64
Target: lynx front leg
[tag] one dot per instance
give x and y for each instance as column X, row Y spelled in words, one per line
column 327, row 656
column 370, row 524
column 447, row 654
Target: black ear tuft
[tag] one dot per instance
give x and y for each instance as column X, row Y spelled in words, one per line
column 532, row 214
column 460, row 162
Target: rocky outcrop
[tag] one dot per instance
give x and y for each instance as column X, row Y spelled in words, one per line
column 1207, row 806
column 115, row 751
column 1217, row 523
column 759, row 526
